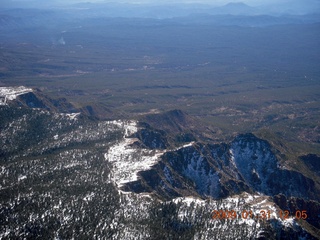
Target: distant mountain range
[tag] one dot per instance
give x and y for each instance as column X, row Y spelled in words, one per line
column 174, row 9
column 237, row 14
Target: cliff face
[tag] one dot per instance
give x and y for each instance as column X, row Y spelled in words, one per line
column 34, row 99
column 246, row 164
column 260, row 169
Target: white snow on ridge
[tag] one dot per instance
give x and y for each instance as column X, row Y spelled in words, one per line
column 72, row 116
column 188, row 200
column 186, row 145
column 11, row 93
column 127, row 160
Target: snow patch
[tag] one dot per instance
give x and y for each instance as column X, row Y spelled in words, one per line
column 89, row 197
column 128, row 160
column 20, row 178
column 72, row 116
column 11, row 93
column 189, row 200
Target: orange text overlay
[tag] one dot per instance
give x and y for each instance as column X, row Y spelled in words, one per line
column 261, row 214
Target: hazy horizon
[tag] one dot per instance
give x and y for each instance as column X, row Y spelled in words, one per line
column 260, row 6
column 157, row 2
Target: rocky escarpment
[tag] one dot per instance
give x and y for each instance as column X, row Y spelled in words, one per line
column 152, row 138
column 33, row 98
column 261, row 170
column 36, row 99
column 219, row 170
column 193, row 170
